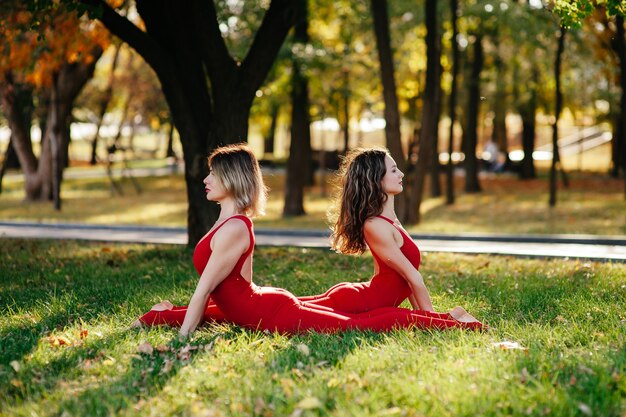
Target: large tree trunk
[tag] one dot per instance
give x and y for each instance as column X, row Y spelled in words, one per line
column 346, row 109
column 435, row 171
column 452, row 102
column 527, row 110
column 67, row 84
column 19, row 102
column 15, row 111
column 620, row 46
column 392, row 115
column 471, row 136
column 528, row 143
column 429, row 114
column 103, row 104
column 499, row 135
column 268, row 142
column 299, row 162
column 558, row 104
column 184, row 46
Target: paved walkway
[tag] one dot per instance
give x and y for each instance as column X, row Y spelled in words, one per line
column 596, row 248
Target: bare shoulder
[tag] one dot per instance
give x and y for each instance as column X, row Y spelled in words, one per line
column 233, row 227
column 233, row 232
column 376, row 228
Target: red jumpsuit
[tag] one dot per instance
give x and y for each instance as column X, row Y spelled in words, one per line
column 276, row 309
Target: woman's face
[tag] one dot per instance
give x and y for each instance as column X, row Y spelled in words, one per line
column 392, row 181
column 215, row 191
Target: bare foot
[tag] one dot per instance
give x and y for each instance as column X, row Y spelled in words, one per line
column 459, row 314
column 137, row 324
column 162, row 306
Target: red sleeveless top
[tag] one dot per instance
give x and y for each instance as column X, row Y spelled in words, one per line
column 203, row 251
column 388, row 287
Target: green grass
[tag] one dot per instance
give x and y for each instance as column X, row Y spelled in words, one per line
column 593, row 204
column 569, row 315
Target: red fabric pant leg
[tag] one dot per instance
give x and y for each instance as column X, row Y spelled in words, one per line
column 304, row 316
column 176, row 316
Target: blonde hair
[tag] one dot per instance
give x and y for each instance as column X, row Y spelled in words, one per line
column 238, row 170
column 361, row 196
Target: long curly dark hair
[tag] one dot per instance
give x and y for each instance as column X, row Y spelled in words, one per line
column 361, row 196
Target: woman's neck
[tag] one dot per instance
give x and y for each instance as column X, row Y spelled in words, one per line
column 228, row 208
column 389, row 209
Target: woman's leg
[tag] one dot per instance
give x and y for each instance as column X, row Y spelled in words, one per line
column 305, row 316
column 165, row 313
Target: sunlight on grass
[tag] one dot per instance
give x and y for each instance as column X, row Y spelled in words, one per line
column 65, row 346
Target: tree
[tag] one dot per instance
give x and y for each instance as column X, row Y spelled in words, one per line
column 57, row 60
column 430, row 114
column 209, row 91
column 558, row 104
column 387, row 76
column 452, row 101
column 299, row 163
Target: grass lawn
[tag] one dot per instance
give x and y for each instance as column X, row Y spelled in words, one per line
column 65, row 346
column 594, row 204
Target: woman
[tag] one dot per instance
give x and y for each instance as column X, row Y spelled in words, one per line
column 370, row 180
column 223, row 258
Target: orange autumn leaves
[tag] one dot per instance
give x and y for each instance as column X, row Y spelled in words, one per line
column 67, row 340
column 32, row 56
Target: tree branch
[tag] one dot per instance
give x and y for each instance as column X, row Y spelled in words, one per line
column 132, row 35
column 278, row 20
column 215, row 55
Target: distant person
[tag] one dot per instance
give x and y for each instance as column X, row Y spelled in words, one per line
column 370, row 180
column 493, row 157
column 223, row 259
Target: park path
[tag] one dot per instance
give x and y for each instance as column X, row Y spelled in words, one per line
column 584, row 247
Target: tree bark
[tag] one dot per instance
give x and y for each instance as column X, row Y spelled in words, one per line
column 435, row 171
column 43, row 177
column 299, row 162
column 103, row 104
column 621, row 126
column 429, row 114
column 472, row 184
column 556, row 160
column 268, row 142
column 499, row 133
column 390, row 96
column 452, row 102
column 345, row 72
column 184, row 46
column 528, row 112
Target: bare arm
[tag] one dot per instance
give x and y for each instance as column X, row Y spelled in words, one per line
column 228, row 244
column 380, row 238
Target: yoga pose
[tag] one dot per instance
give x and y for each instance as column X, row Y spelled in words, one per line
column 370, row 180
column 223, row 259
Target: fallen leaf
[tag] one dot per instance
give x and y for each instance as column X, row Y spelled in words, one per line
column 15, row 365
column 167, row 367
column 309, row 403
column 145, row 348
column 525, row 376
column 585, row 409
column 17, row 383
column 304, row 349
column 83, row 333
column 506, row 345
column 57, row 341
